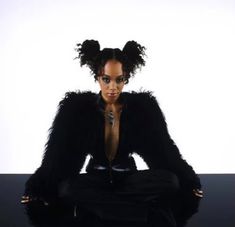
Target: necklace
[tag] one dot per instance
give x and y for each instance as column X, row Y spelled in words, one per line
column 110, row 117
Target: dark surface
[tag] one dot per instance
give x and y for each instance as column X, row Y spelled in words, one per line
column 217, row 208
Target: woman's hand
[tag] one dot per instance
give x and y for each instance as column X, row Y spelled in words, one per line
column 198, row 193
column 26, row 199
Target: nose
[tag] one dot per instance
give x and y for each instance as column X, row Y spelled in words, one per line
column 113, row 85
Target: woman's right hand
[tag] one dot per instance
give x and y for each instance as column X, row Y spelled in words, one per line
column 26, row 199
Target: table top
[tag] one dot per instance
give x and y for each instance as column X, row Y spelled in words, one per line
column 217, row 208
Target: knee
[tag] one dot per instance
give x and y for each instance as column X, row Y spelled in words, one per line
column 63, row 189
column 174, row 180
column 171, row 179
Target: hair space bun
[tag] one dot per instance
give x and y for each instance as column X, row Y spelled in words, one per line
column 134, row 53
column 88, row 51
column 131, row 57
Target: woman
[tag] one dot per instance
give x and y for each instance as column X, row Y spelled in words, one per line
column 110, row 126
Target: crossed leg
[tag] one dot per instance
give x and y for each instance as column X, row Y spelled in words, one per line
column 126, row 199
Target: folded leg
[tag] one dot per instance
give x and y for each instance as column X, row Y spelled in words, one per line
column 145, row 185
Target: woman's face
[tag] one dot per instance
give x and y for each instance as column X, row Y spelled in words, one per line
column 111, row 81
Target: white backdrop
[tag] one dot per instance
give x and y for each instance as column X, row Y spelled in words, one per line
column 190, row 67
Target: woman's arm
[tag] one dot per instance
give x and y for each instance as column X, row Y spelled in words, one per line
column 159, row 150
column 59, row 155
column 159, row 147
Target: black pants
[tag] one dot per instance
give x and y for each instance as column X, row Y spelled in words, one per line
column 129, row 197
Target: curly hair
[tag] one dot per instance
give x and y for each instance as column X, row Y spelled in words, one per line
column 131, row 57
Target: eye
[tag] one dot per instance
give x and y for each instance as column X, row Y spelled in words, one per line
column 120, row 80
column 106, row 79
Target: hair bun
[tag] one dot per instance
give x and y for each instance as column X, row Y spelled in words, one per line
column 134, row 53
column 131, row 57
column 88, row 51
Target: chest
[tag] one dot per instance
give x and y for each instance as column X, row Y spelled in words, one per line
column 112, row 132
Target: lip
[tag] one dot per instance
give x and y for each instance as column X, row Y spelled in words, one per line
column 112, row 94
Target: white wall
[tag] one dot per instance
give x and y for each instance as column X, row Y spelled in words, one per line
column 190, row 68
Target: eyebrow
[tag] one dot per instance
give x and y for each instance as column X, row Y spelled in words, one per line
column 110, row 76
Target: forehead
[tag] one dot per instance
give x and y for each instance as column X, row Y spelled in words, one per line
column 113, row 68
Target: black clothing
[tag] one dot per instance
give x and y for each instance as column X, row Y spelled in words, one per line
column 78, row 130
column 123, row 157
column 128, row 198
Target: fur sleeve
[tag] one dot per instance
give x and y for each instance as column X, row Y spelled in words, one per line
column 161, row 151
column 60, row 159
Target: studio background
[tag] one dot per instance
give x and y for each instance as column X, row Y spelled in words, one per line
column 189, row 67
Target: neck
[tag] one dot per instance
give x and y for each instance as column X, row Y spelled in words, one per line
column 115, row 106
column 108, row 102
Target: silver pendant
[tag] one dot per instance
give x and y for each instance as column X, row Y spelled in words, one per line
column 111, row 118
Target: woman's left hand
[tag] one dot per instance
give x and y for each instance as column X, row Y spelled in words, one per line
column 198, row 193
column 27, row 199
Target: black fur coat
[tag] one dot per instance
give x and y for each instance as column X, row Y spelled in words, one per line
column 78, row 130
